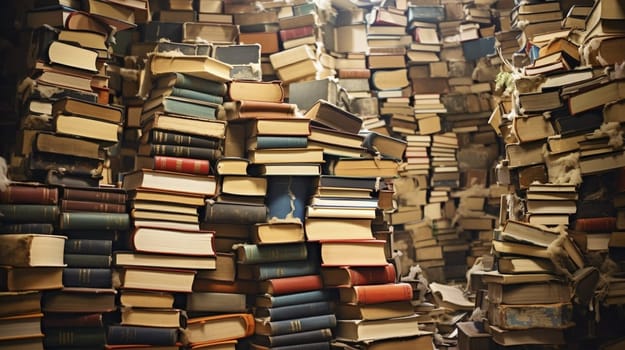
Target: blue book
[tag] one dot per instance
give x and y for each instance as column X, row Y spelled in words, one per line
column 296, row 325
column 287, row 196
column 474, row 49
column 295, row 311
column 278, row 269
column 189, row 82
column 265, row 253
column 194, row 108
column 196, row 95
column 268, row 300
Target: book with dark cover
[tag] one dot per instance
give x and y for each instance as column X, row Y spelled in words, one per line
column 118, row 334
column 72, row 205
column 294, row 311
column 80, row 320
column 297, row 339
column 79, row 300
column 153, row 31
column 256, row 253
column 29, row 213
column 268, row 300
column 347, row 182
column 268, row 141
column 352, row 276
column 40, row 164
column 426, row 13
column 186, row 48
column 474, row 49
column 94, row 221
column 300, row 324
column 98, row 194
column 23, row 193
column 278, row 269
column 583, row 122
column 331, row 116
column 183, row 106
column 195, row 95
column 595, row 208
column 41, row 228
column 189, row 82
column 15, row 279
column 228, row 212
column 595, row 224
column 287, row 196
column 88, row 246
column 71, row 337
column 180, row 139
column 87, row 260
column 57, row 177
column 179, row 151
column 87, row 277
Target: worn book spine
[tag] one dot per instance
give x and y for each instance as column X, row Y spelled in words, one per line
column 221, row 212
column 72, row 205
column 295, row 311
column 88, row 246
column 118, row 334
column 371, row 275
column 278, row 269
column 198, row 84
column 379, row 293
column 172, row 138
column 181, row 164
column 531, row 316
column 263, row 142
column 68, row 337
column 16, row 194
column 287, row 196
column 184, row 151
column 30, row 213
column 56, row 177
column 87, row 277
column 596, row 224
column 354, row 73
column 196, row 95
column 40, row 228
column 189, row 108
column 39, row 162
column 302, row 324
column 295, row 284
column 297, row 32
column 87, row 260
column 298, row 298
column 299, row 338
column 79, row 194
column 255, row 254
column 94, row 221
column 77, row 320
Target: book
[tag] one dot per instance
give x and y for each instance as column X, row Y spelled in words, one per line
column 529, row 293
column 377, row 311
column 173, row 164
column 363, row 330
column 20, row 303
column 290, row 312
column 324, row 228
column 170, row 181
column 93, row 221
column 166, row 280
column 182, row 106
column 289, row 285
column 216, row 302
column 363, row 167
column 168, row 241
column 524, row 232
column 29, row 193
column 14, row 279
column 242, row 109
column 256, row 254
column 265, row 91
column 558, row 316
column 228, row 212
column 300, row 324
column 300, row 339
column 331, row 116
column 99, row 111
column 102, row 194
column 231, row 326
column 269, row 300
column 31, row 250
column 285, row 155
column 152, row 317
column 119, row 334
column 280, row 127
column 78, row 126
column 365, row 253
column 351, row 276
column 279, row 232
column 18, row 213
column 595, row 96
column 189, row 82
column 197, row 66
column 277, row 269
column 87, row 277
column 524, row 265
column 375, row 293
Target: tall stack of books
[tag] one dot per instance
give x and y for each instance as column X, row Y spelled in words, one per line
column 28, row 270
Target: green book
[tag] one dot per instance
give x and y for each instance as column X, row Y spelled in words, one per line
column 94, row 221
column 194, row 108
column 31, row 213
column 255, row 253
column 196, row 95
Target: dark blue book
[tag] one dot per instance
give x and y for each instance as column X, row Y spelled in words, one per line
column 323, row 345
column 262, row 142
column 87, row 277
column 88, row 246
column 75, row 337
column 40, row 228
column 183, row 106
column 301, row 324
column 482, row 47
column 278, row 269
column 174, row 138
column 87, row 260
column 287, row 196
column 297, row 339
column 118, row 334
column 266, row 253
column 295, row 311
column 275, row 301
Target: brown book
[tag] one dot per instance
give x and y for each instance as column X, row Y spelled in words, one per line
column 291, row 56
column 242, row 109
column 80, row 300
column 31, row 250
column 23, row 302
column 231, row 326
column 29, row 193
column 59, row 144
column 20, row 326
column 268, row 41
column 88, row 109
column 512, row 264
column 350, row 276
column 392, row 79
column 377, row 311
column 152, row 317
column 120, row 17
column 30, row 278
column 334, row 117
column 225, row 268
column 73, row 205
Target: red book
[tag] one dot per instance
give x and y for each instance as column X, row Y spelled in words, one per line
column 23, row 193
column 376, row 293
column 287, row 285
column 353, row 276
column 597, row 224
column 354, row 73
column 102, row 195
column 238, row 286
column 176, row 164
column 72, row 205
column 296, row 33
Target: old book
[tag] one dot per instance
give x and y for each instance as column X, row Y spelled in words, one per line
column 171, row 181
column 74, row 125
column 19, row 303
column 555, row 316
column 364, row 167
column 286, row 155
column 187, row 125
column 366, row 253
column 362, row 330
column 297, row 311
column 216, row 33
column 269, row 91
column 255, row 254
column 300, row 324
column 512, row 264
column 595, row 96
column 26, row 193
column 320, row 228
column 279, row 232
column 72, row 56
column 173, row 164
column 269, row 300
column 31, row 250
column 313, row 338
column 334, row 117
column 529, row 293
column 351, row 276
column 242, row 109
column 231, row 325
column 375, row 293
column 198, row 66
column 30, row 278
column 167, row 280
column 138, row 259
column 266, row 271
column 160, row 195
column 152, row 317
column 167, row 241
column 390, row 79
column 377, row 311
column 525, row 232
column 225, row 212
column 20, row 326
column 520, row 278
column 288, row 285
column 118, row 334
column 70, row 105
column 93, row 221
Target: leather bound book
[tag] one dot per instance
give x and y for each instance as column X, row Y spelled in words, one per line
column 106, row 195
column 351, row 276
column 118, row 334
column 219, row 327
column 72, row 205
column 595, row 224
column 298, row 339
column 87, row 277
column 301, row 324
column 255, row 253
column 174, row 164
column 93, row 221
column 225, row 212
column 289, row 285
column 22, row 193
column 297, row 311
column 68, row 337
column 31, row 213
column 376, row 293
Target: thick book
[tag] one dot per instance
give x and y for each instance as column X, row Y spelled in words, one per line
column 362, row 253
column 277, row 269
column 331, row 116
column 118, row 334
column 297, row 311
column 154, row 149
column 269, row 300
column 153, row 317
column 376, row 293
column 225, row 212
column 217, row 302
column 87, row 277
column 99, row 194
column 181, row 139
column 158, row 279
column 300, row 324
column 104, row 112
column 519, row 231
column 279, row 232
column 344, row 276
column 39, row 228
column 290, row 285
column 188, row 94
column 256, row 254
column 188, row 82
column 89, row 337
column 170, row 181
column 248, row 109
column 30, row 213
column 14, row 279
column 511, row 317
column 378, row 311
column 288, row 341
column 93, row 221
column 184, row 124
column 265, row 91
column 182, row 106
column 31, row 250
column 87, row 260
column 20, row 303
column 197, row 66
column 200, row 262
column 72, row 205
column 222, row 327
column 174, row 164
column 170, row 241
column 529, row 293
column 362, row 330
column 27, row 193
column 73, row 125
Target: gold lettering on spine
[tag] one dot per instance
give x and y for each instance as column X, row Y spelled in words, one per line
column 295, row 326
column 179, row 164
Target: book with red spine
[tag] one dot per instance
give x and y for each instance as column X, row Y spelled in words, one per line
column 296, row 33
column 596, row 224
column 354, row 73
column 346, row 276
column 177, row 164
column 376, row 293
column 29, row 193
column 295, row 284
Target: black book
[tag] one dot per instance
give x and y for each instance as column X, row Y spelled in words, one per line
column 118, row 334
column 87, row 277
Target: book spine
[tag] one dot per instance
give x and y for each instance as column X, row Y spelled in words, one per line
column 286, row 269
column 64, row 337
column 78, row 194
column 88, row 246
column 303, row 324
column 31, row 213
column 41, row 228
column 300, row 310
column 299, row 338
column 72, row 205
column 202, row 85
column 191, row 109
column 87, row 260
column 302, row 297
column 532, row 316
column 216, row 212
column 66, row 320
column 170, row 138
column 354, row 73
column 29, row 195
column 598, row 224
column 254, row 254
column 185, row 151
column 296, row 284
column 94, row 221
column 196, row 95
column 378, row 293
column 118, row 334
column 263, row 142
column 373, row 275
column 296, row 33
column 183, row 165
column 87, row 277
